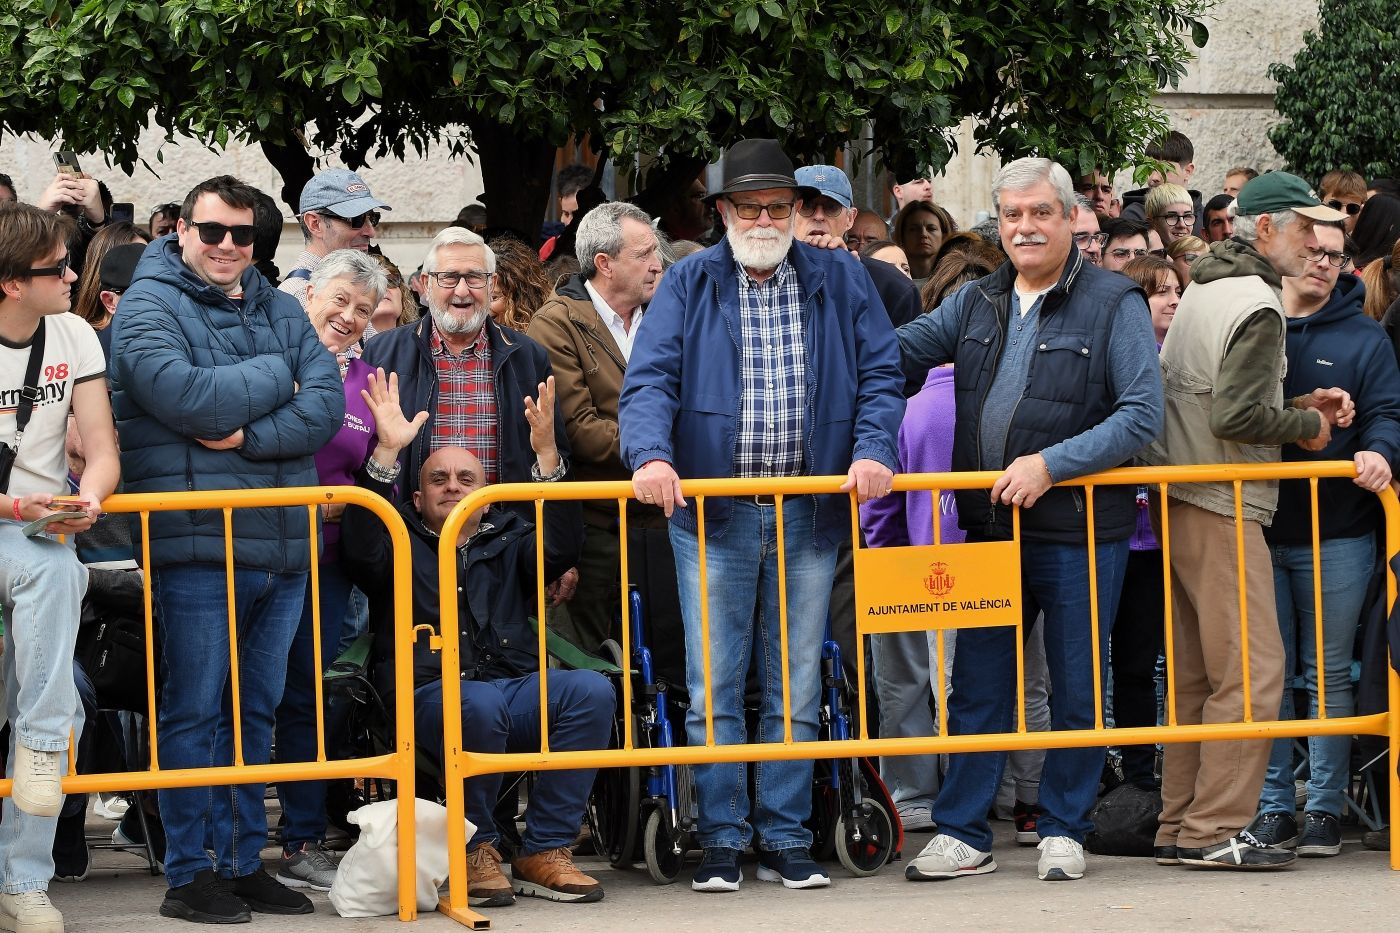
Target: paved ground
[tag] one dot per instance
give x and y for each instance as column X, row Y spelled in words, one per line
column 1355, row 891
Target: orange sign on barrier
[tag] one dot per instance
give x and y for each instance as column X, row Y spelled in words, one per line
column 938, row 586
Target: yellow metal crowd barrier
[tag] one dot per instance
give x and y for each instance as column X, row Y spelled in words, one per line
column 461, row 764
column 397, row 765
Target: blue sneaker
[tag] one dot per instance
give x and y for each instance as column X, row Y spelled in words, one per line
column 793, row 867
column 718, row 871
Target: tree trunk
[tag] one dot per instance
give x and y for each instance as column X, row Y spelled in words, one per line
column 296, row 167
column 516, row 173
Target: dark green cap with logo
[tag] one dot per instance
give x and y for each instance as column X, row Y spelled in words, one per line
column 1280, row 191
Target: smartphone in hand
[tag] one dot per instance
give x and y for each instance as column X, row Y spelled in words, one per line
column 64, row 508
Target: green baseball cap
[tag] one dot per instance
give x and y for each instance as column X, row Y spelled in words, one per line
column 1280, row 191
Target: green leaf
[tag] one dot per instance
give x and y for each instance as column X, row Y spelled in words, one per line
column 127, row 96
column 1200, row 35
column 350, row 90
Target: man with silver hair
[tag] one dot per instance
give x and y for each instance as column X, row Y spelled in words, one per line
column 1056, row 378
column 588, row 325
column 760, row 357
column 1223, row 363
column 470, row 376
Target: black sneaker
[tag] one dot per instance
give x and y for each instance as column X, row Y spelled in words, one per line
column 266, row 896
column 1376, row 840
column 718, row 871
column 1241, row 852
column 793, row 867
column 1322, row 835
column 206, row 899
column 1166, row 855
column 1026, row 816
column 1279, row 830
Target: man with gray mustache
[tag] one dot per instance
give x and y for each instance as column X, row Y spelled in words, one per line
column 1056, row 377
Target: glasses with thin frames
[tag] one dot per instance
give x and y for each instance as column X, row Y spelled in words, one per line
column 1123, row 252
column 212, row 233
column 1352, row 208
column 778, row 210
column 59, row 270
column 1084, row 239
column 475, row 278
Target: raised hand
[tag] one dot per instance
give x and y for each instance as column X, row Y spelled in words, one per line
column 395, row 431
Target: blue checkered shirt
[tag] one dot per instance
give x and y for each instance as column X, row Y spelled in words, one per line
column 773, row 372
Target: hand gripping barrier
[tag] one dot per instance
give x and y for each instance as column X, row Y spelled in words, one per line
column 461, row 764
column 397, row 765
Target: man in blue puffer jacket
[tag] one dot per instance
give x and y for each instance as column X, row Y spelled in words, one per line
column 219, row 382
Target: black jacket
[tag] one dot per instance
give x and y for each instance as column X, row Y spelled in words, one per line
column 1339, row 346
column 520, row 365
column 495, row 584
column 897, row 293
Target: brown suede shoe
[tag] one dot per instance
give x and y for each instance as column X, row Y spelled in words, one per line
column 551, row 874
column 487, row 885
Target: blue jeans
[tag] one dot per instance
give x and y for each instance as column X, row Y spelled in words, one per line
column 195, row 715
column 504, row 716
column 304, row 802
column 744, row 624
column 41, row 591
column 1347, row 564
column 1055, row 581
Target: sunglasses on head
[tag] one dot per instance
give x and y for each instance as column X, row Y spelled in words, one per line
column 212, row 233
column 1352, row 209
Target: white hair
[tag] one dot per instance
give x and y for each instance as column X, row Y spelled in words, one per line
column 1029, row 172
column 354, row 266
column 457, row 236
column 1247, row 225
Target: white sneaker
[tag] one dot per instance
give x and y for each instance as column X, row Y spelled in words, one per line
column 110, row 806
column 37, row 789
column 946, row 857
column 916, row 818
column 1061, row 859
column 29, row 912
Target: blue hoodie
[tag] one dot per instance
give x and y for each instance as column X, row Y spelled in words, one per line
column 1340, row 346
column 189, row 362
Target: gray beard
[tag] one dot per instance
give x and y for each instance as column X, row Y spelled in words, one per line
column 759, row 253
column 449, row 323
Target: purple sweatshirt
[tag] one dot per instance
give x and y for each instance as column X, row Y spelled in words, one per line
column 341, row 458
column 925, row 446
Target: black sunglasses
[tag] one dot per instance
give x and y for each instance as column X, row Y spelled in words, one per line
column 59, row 270
column 1352, row 209
column 355, row 223
column 212, row 233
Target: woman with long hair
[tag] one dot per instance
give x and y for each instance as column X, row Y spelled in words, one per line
column 920, row 228
column 520, row 285
column 88, row 303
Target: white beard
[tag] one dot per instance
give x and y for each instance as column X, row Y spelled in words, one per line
column 455, row 324
column 759, row 248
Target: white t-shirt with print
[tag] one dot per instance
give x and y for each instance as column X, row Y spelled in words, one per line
column 72, row 355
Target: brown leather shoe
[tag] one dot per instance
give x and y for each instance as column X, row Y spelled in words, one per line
column 551, row 874
column 487, row 885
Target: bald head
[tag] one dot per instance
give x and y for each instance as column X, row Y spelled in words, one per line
column 448, row 477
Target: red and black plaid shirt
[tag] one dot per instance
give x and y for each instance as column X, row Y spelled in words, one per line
column 466, row 404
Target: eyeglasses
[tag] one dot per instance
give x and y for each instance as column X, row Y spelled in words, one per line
column 59, row 270
column 778, row 210
column 1189, row 257
column 1334, row 257
column 1176, row 219
column 828, row 206
column 475, row 279
column 1084, row 239
column 355, row 223
column 1159, row 253
column 212, row 233
column 1352, row 209
column 1123, row 252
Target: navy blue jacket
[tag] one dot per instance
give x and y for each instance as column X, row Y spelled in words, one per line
column 188, row 362
column 681, row 395
column 1339, row 346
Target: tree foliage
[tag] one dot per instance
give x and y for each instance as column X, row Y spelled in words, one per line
column 1338, row 97
column 1070, row 79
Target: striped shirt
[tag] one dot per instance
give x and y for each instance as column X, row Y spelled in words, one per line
column 466, row 404
column 773, row 374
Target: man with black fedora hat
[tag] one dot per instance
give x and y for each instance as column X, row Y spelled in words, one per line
column 761, row 357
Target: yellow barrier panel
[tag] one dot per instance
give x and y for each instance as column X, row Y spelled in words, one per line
column 397, row 765
column 461, row 764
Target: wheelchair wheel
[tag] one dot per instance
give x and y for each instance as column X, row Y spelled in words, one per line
column 614, row 807
column 866, row 855
column 659, row 843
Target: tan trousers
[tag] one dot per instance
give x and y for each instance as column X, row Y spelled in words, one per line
column 1210, row 790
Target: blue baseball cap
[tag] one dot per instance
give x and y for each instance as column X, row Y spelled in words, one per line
column 341, row 193
column 829, row 180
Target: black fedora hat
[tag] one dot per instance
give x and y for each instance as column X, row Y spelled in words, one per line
column 758, row 164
